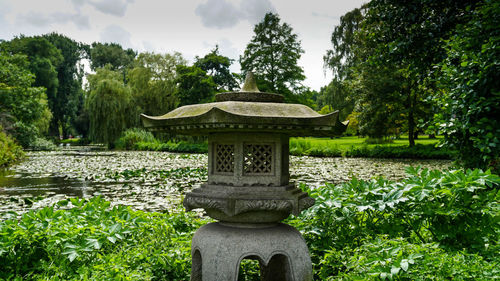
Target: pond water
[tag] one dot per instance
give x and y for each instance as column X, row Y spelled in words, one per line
column 156, row 181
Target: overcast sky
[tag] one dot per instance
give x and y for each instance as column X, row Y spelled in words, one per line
column 191, row 27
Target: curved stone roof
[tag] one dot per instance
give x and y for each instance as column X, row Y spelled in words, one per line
column 234, row 116
column 255, row 109
column 247, row 111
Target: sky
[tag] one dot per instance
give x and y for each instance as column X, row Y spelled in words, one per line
column 191, row 27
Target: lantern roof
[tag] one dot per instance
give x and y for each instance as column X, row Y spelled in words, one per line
column 247, row 111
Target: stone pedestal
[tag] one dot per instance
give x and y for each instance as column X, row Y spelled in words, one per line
column 217, row 250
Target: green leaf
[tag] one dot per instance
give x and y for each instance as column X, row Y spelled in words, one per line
column 404, row 265
column 111, row 239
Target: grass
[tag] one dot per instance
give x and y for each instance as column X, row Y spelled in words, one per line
column 346, row 143
column 360, row 147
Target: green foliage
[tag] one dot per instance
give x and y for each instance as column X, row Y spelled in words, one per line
column 195, row 86
column 344, row 40
column 383, row 258
column 336, row 96
column 433, row 224
column 10, row 152
column 42, row 144
column 382, row 59
column 272, row 55
column 24, row 106
column 153, row 84
column 92, row 241
column 108, row 104
column 173, row 146
column 67, row 105
column 217, row 66
column 43, row 59
column 113, row 54
column 470, row 100
column 419, row 151
column 334, row 148
column 131, row 137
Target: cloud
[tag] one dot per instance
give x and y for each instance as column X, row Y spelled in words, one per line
column 218, row 13
column 255, row 10
column 40, row 20
column 111, row 7
column 116, row 34
column 222, row 14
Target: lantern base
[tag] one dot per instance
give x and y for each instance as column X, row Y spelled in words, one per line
column 217, row 251
column 248, row 204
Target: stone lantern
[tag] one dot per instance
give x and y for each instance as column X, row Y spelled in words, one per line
column 248, row 189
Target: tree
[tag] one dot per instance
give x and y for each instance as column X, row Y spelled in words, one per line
column 336, row 96
column 24, row 107
column 217, row 66
column 195, row 86
column 108, row 103
column 43, row 59
column 470, row 96
column 153, row 82
column 342, row 57
column 111, row 53
column 273, row 54
column 68, row 103
column 409, row 36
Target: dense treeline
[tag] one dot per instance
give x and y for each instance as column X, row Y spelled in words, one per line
column 398, row 68
column 417, row 67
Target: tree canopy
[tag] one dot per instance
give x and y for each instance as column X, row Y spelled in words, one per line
column 108, row 104
column 217, row 66
column 23, row 108
column 102, row 54
column 153, row 82
column 273, row 54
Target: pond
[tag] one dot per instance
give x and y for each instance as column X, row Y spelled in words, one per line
column 156, row 181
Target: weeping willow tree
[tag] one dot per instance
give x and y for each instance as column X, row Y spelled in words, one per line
column 108, row 104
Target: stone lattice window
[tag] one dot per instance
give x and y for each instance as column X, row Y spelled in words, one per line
column 258, row 158
column 224, row 158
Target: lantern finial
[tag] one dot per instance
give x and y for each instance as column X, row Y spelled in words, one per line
column 250, row 84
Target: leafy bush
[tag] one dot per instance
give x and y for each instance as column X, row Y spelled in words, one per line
column 469, row 100
column 75, row 141
column 419, row 151
column 25, row 134
column 10, row 152
column 92, row 241
column 443, row 219
column 42, row 144
column 301, row 147
column 131, row 137
column 398, row 259
column 181, row 146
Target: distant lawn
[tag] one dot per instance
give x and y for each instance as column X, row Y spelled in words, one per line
column 345, row 143
column 425, row 148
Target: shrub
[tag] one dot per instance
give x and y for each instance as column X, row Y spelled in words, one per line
column 181, row 146
column 10, row 152
column 419, row 151
column 131, row 137
column 42, row 144
column 455, row 212
column 398, row 259
column 75, row 141
column 92, row 241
